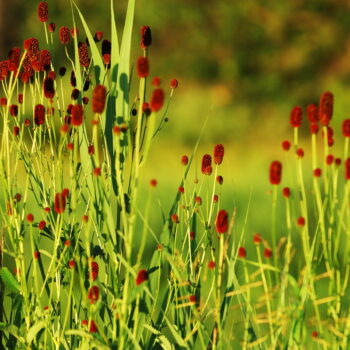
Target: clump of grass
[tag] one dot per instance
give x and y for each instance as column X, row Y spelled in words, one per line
column 74, row 142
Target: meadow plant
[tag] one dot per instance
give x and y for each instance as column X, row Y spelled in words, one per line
column 75, row 267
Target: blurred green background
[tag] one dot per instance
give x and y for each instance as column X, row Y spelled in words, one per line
column 241, row 64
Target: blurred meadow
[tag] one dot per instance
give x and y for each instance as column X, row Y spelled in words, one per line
column 241, row 66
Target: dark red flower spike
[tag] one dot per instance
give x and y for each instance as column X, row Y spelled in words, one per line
column 174, row 84
column 275, row 172
column 99, row 99
column 326, row 108
column 221, row 222
column 141, row 277
column 286, row 192
column 346, row 127
column 146, row 37
column 60, row 203
column 77, row 115
column 49, row 88
column 206, row 165
column 312, row 113
column 296, row 116
column 242, row 253
column 93, row 294
column 157, row 100
column 43, row 11
column 83, row 55
column 347, row 169
column 39, row 114
column 64, row 35
column 94, row 270
column 219, row 151
column 142, row 67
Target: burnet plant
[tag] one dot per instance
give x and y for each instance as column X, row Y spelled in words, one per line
column 74, row 142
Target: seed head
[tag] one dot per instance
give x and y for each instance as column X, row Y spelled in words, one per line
column 221, row 222
column 300, row 153
column 257, row 238
column 142, row 67
column 14, row 59
column 275, row 172
column 98, row 36
column 184, row 160
column 42, row 225
column 314, row 128
column 153, row 183
column 157, row 100
column 30, row 218
column 317, row 172
column 93, row 294
column 60, row 203
column 326, row 108
column 312, row 113
column 219, row 151
column 43, row 11
column 267, row 253
column 286, row 192
column 36, row 255
column 156, row 81
column 347, row 169
column 51, row 27
column 301, row 221
column 77, row 115
column 106, row 47
column 83, row 54
column 329, row 159
column 175, row 218
column 141, row 277
column 346, row 127
column 13, row 110
column 99, row 99
column 286, row 145
column 71, row 264
column 39, row 114
column 64, row 35
column 174, row 84
column 49, row 88
column 211, row 265
column 94, row 270
column 296, row 115
column 146, row 37
column 242, row 253
column 206, row 165
column 45, row 60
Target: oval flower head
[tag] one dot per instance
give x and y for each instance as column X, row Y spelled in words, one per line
column 206, row 165
column 141, row 277
column 219, row 151
column 60, row 203
column 77, row 115
column 99, row 99
column 222, row 221
column 296, row 116
column 326, row 108
column 275, row 172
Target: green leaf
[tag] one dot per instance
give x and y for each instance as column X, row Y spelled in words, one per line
column 33, row 331
column 9, row 281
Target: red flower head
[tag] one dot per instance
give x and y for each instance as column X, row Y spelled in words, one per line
column 93, row 327
column 99, row 99
column 346, row 127
column 181, row 189
column 94, row 270
column 301, row 221
column 14, row 58
column 329, row 159
column 314, row 128
column 45, row 60
column 326, row 108
column 30, row 218
column 106, row 59
column 267, row 253
column 257, row 238
column 347, row 169
column 142, row 67
column 71, row 264
column 156, row 81
column 215, row 198
column 146, row 37
column 317, row 172
column 286, row 145
column 64, row 35
column 98, row 36
column 4, row 69
column 174, row 84
column 14, row 110
column 141, row 277
column 83, row 55
column 3, row 101
column 153, row 183
column 39, row 114
column 49, row 89
column 42, row 225
column 312, row 113
column 175, row 219
column 275, row 172
column 77, row 115
column 43, row 11
column 93, row 294
column 36, row 255
column 60, row 203
column 220, row 180
column 300, row 152
column 184, row 160
column 286, row 192
column 91, row 150
column 222, row 222
column 219, row 151
column 157, row 100
column 198, row 200
column 211, row 265
column 206, row 165
column 337, row 161
column 242, row 253
column 20, row 98
column 296, row 115
column 51, row 27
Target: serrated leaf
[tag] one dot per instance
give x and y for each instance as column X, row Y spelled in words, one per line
column 9, row 281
